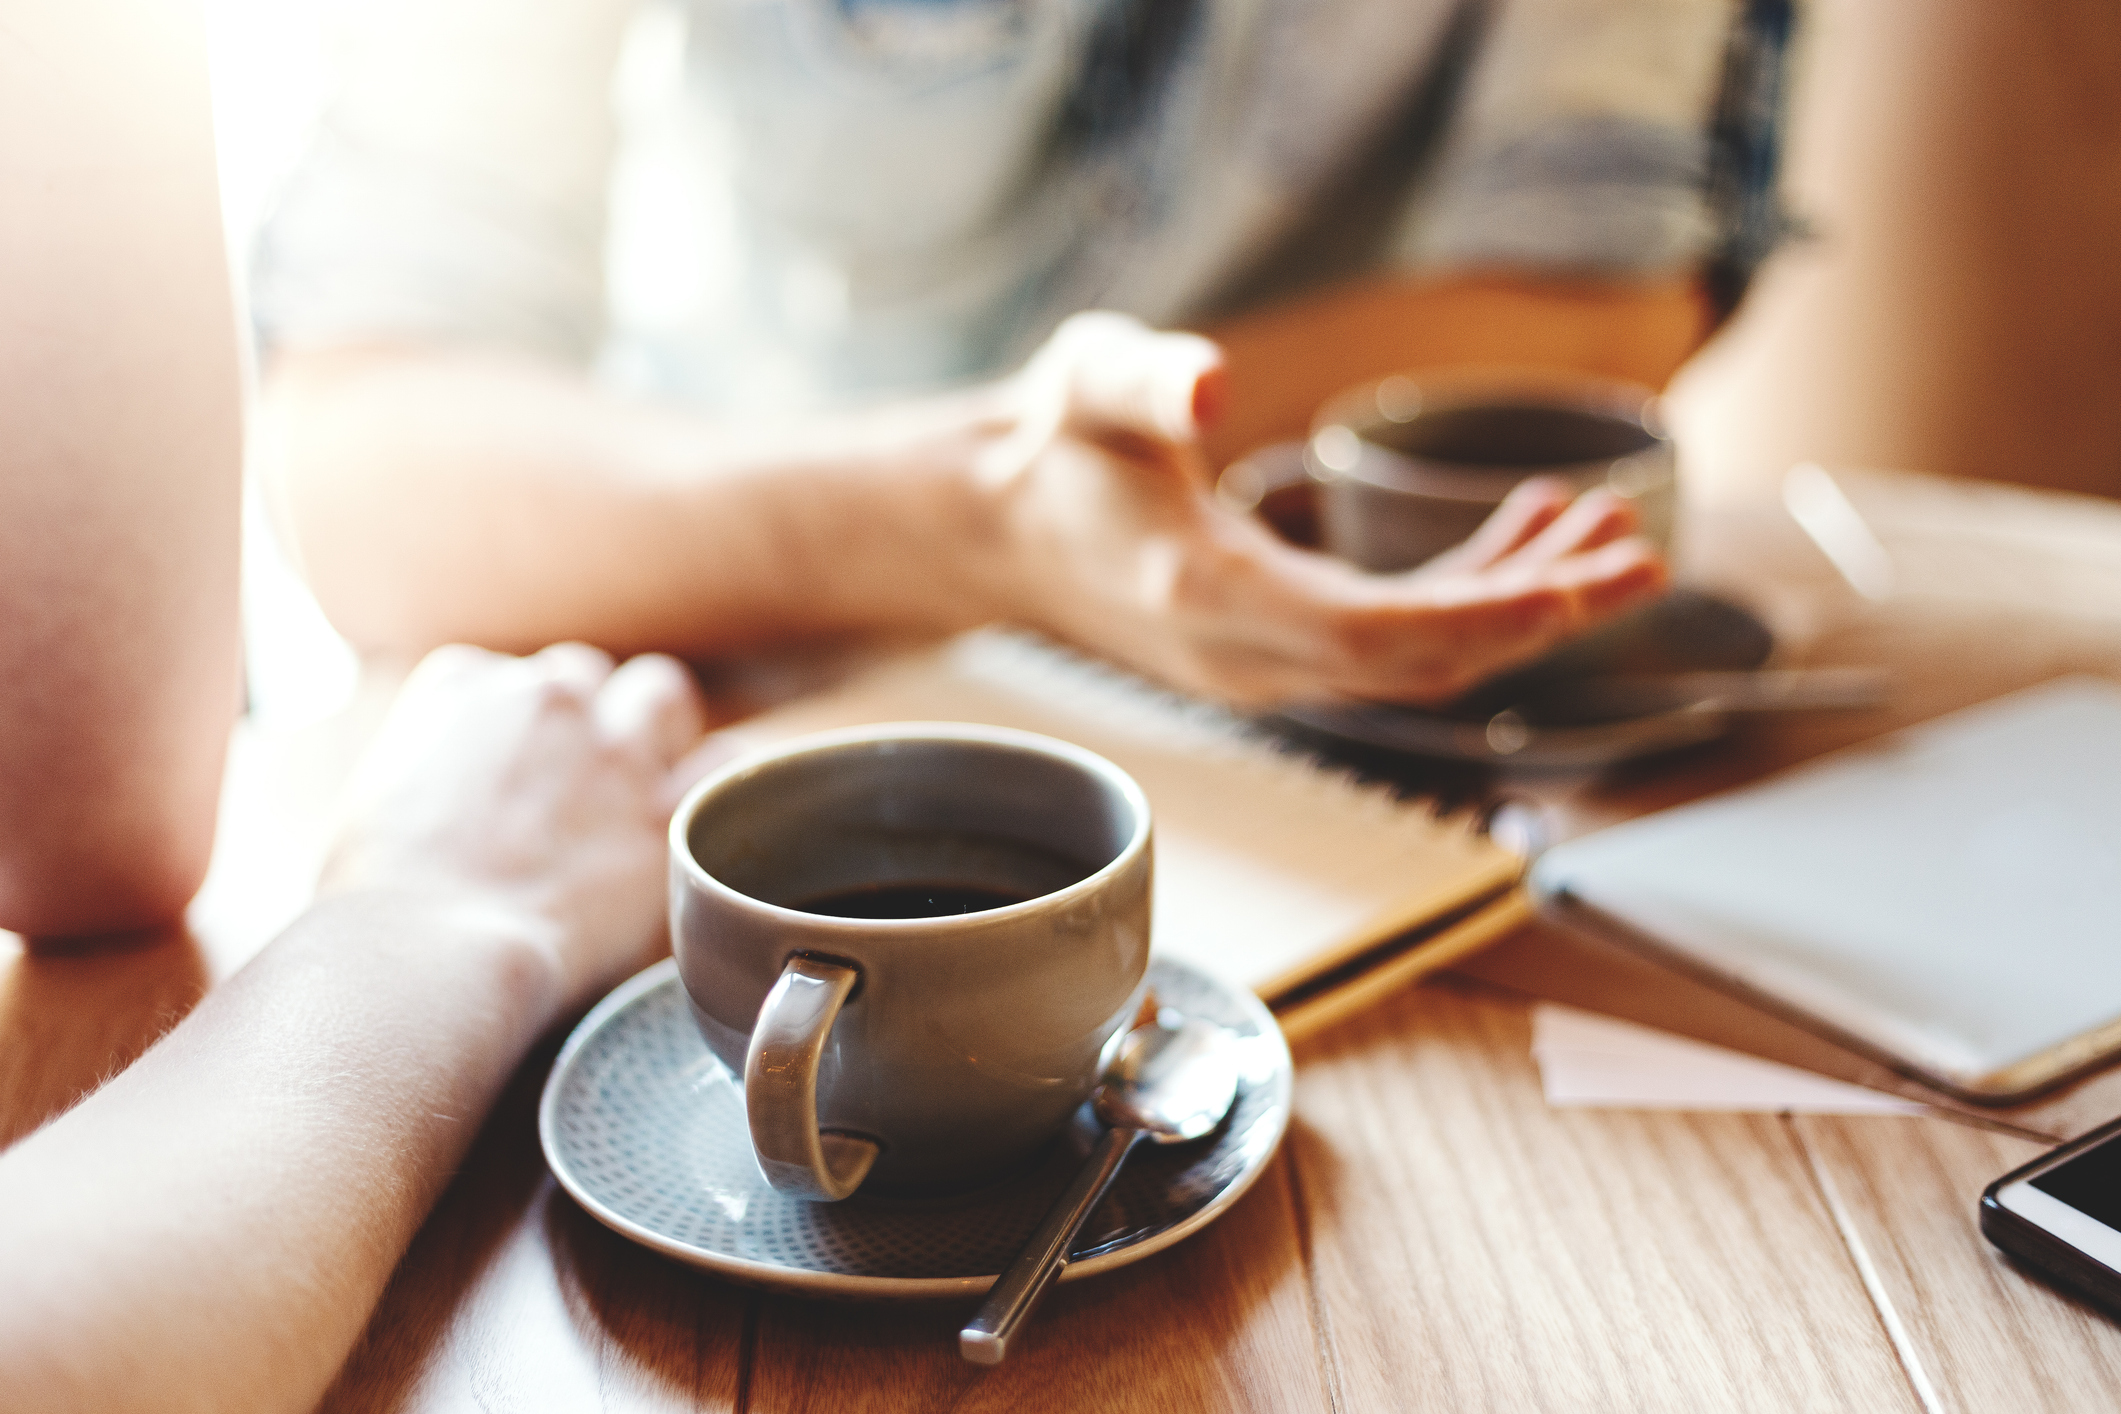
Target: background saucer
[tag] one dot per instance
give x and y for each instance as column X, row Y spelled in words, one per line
column 1533, row 718
column 645, row 1128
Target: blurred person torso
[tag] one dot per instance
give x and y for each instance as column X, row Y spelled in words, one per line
column 771, row 205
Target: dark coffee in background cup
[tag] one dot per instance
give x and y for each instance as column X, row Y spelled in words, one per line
column 1410, row 466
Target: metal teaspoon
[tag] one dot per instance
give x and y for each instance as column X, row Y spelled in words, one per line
column 1172, row 1080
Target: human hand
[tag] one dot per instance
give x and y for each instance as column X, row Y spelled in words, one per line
column 535, row 789
column 1118, row 543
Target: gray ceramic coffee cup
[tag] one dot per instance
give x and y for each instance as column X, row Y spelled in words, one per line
column 923, row 1052
column 1410, row 466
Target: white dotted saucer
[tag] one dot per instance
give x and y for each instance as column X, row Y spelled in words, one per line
column 645, row 1128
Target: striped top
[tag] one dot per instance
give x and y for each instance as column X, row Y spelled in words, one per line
column 778, row 204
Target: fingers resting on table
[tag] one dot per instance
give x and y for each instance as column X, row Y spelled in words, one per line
column 539, row 786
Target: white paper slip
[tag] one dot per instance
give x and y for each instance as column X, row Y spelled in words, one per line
column 1600, row 1062
column 1270, row 870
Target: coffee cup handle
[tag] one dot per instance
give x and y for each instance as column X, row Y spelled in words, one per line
column 780, row 1085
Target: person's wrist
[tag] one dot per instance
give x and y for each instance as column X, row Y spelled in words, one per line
column 451, row 936
column 969, row 460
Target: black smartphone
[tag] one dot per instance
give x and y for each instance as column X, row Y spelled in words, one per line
column 2061, row 1215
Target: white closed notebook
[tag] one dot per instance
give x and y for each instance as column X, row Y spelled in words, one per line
column 1270, row 870
column 1947, row 897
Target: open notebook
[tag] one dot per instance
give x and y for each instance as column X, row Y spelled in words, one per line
column 1940, row 899
column 1319, row 893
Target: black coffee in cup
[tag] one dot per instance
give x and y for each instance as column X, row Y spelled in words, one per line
column 911, row 900
column 1511, row 432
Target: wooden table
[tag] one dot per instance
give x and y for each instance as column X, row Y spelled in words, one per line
column 1432, row 1236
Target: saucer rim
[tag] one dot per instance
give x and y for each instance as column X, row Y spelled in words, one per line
column 780, row 1277
column 1410, row 731
column 1431, row 736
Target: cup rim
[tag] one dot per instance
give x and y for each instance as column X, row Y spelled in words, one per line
column 1460, row 386
column 1360, row 412
column 1385, row 471
column 839, row 738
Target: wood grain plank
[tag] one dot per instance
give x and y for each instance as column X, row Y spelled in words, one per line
column 1221, row 1322
column 1476, row 1250
column 1985, row 1334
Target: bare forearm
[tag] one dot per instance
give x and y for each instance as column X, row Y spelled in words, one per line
column 213, row 1227
column 469, row 496
column 462, row 495
column 119, row 467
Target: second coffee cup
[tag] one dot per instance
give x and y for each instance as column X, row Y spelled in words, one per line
column 1410, row 466
column 913, row 942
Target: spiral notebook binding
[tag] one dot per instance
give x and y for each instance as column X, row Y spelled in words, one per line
column 1355, row 983
column 1242, row 739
